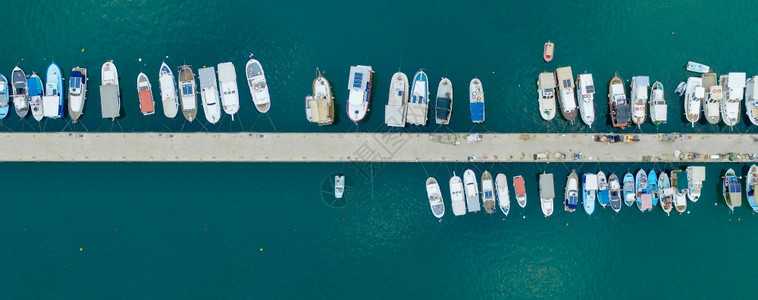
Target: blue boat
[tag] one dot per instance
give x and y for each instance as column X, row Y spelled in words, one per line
column 589, row 194
column 751, row 182
column 628, row 189
column 35, row 96
column 476, row 101
column 602, row 193
column 4, row 104
column 652, row 187
column 52, row 102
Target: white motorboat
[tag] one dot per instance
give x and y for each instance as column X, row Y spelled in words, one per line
column 456, row 195
column 418, row 107
column 488, row 192
column 585, row 89
column 546, row 90
column 227, row 83
column 395, row 110
column 476, row 101
column 697, row 67
column 443, row 107
column 589, row 192
column 734, row 91
column 77, row 93
column 658, row 107
column 209, row 94
column 713, row 96
column 471, row 189
column 110, row 93
column 187, row 92
column 503, row 197
column 20, row 89
column 639, row 99
column 145, row 95
column 547, row 193
column 434, row 195
column 339, row 186
column 571, row 198
column 751, row 99
column 695, row 178
column 319, row 108
column 168, row 91
column 256, row 82
column 693, row 98
column 565, row 79
column 359, row 86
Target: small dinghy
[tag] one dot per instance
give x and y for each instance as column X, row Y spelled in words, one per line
column 547, row 51
column 339, row 186
column 435, row 197
column 697, row 67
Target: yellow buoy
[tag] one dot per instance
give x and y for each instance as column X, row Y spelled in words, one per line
column 261, row 249
column 82, row 50
column 81, row 249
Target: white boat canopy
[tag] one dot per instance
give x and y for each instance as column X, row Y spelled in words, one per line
column 587, row 84
column 736, row 85
column 590, row 182
column 696, row 174
column 546, row 186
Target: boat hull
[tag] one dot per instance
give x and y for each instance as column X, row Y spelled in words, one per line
column 256, row 82
column 397, row 103
column 169, row 98
column 476, row 101
column 77, row 93
column 444, row 103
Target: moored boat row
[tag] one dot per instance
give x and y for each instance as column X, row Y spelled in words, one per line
column 47, row 100
column 669, row 190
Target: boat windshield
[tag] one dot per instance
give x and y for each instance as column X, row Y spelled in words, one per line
column 187, row 89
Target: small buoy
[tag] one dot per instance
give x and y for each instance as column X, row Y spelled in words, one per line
column 206, row 229
column 26, row 229
column 261, row 249
column 524, row 217
column 688, row 212
column 739, row 219
column 371, row 223
column 82, row 50
column 139, row 59
column 111, row 60
column 672, row 33
column 22, row 59
column 440, row 220
column 567, row 224
column 166, row 56
column 115, row 229
column 715, row 204
column 295, row 229
column 81, row 249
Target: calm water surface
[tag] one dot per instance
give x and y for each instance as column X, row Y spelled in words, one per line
column 265, row 230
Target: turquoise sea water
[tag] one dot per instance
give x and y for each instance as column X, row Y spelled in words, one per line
column 263, row 230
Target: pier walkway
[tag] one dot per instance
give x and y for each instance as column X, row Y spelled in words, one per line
column 379, row 147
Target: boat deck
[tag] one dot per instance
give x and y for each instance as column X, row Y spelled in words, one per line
column 364, row 147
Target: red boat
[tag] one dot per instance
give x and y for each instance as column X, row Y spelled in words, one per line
column 547, row 53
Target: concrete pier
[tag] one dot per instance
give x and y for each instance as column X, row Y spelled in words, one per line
column 364, row 147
